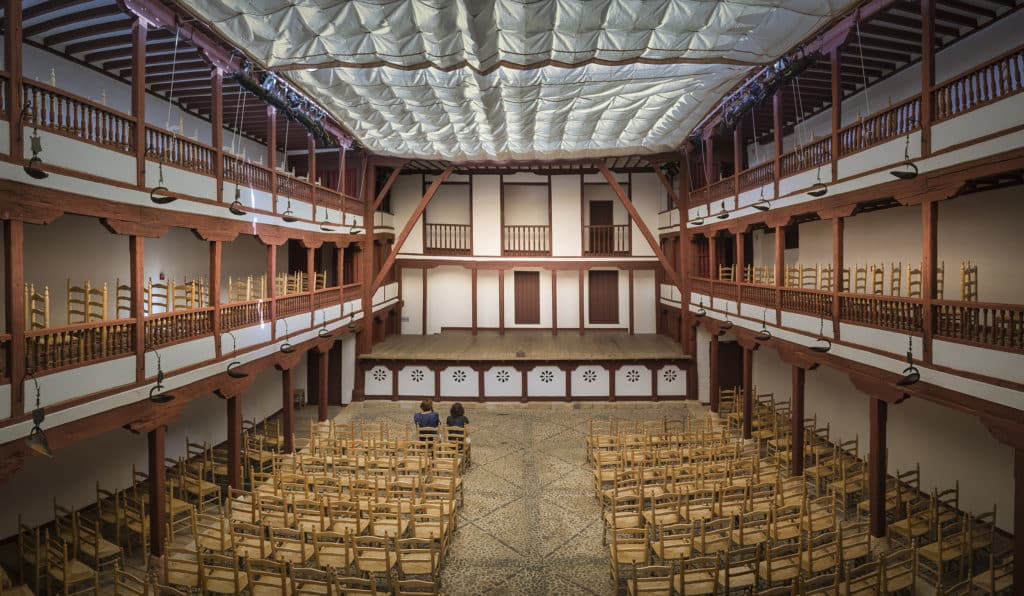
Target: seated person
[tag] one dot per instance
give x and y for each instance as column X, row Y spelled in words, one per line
column 427, row 420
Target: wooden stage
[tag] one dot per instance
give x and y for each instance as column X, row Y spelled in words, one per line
column 490, row 346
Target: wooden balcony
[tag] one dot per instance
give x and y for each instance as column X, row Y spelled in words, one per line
column 447, row 239
column 526, row 241
column 606, row 240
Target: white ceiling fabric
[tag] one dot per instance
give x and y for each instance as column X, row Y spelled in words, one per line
column 472, row 79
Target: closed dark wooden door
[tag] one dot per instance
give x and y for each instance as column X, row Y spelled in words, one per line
column 604, row 297
column 601, row 231
column 527, row 284
column 334, row 363
column 730, row 364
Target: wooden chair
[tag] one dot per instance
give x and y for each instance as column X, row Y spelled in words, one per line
column 31, row 555
column 314, row 582
column 128, row 584
column 950, row 548
column 222, row 575
column 820, row 554
column 289, row 545
column 628, row 546
column 184, row 296
column 895, row 279
column 877, row 279
column 65, row 574
column 96, row 551
column 714, row 536
column 653, row 580
column 826, row 584
column 266, row 577
column 85, row 303
column 182, row 568
column 727, row 272
column 914, row 282
column 899, row 570
column 940, row 280
column 968, row 282
column 355, row 586
column 196, row 488
column 136, row 523
column 780, row 564
column 37, row 307
column 157, row 296
column 212, row 533
column 793, row 277
column 809, row 277
column 826, row 278
column 739, row 568
column 998, row 578
column 373, row 554
column 320, row 279
column 672, row 541
column 863, row 579
column 698, row 576
column 417, row 556
column 415, row 587
column 122, row 300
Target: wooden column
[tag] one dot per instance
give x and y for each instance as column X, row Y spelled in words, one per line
column 631, row 311
column 216, row 252
column 423, row 289
column 311, row 161
column 140, row 32
column 136, row 251
column 927, row 73
column 581, row 313
column 712, row 260
column 879, row 410
column 339, row 271
column 737, row 162
column 835, row 60
column 271, row 289
column 711, row 173
column 322, row 369
column 157, row 491
column 713, row 376
column 838, row 230
column 472, row 275
column 780, row 269
column 287, row 411
column 554, row 301
column 929, row 259
column 1018, row 514
column 235, row 441
column 13, row 63
column 741, row 262
column 14, row 303
column 271, row 137
column 797, row 423
column 777, row 139
column 217, row 127
column 501, row 304
column 748, row 392
column 367, row 186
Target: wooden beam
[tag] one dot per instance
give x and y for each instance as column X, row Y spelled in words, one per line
column 287, row 411
column 929, row 258
column 321, row 379
column 878, row 415
column 836, row 61
column 927, row 73
column 838, row 233
column 271, row 289
column 14, row 265
column 640, row 223
column 748, row 392
column 215, row 267
column 234, row 421
column 140, row 32
column 13, row 65
column 713, row 372
column 384, row 191
column 407, row 229
column 777, row 135
column 797, row 423
column 156, row 440
column 670, row 191
column 217, row 128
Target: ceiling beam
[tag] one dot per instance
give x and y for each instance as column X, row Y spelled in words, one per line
column 87, row 32
column 104, row 55
column 98, row 12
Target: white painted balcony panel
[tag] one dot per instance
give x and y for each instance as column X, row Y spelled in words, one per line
column 503, row 381
column 84, row 157
column 633, row 381
column 1001, row 115
column 992, row 363
column 880, row 156
column 591, row 381
column 459, row 381
column 416, row 380
column 545, row 381
column 671, row 381
column 377, row 381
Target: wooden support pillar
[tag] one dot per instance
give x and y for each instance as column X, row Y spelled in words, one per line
column 877, row 466
column 311, row 162
column 780, row 269
column 776, row 139
column 272, row 289
column 748, row 392
column 581, row 313
column 14, row 303
column 13, row 63
column 929, row 262
column 711, row 173
column 339, row 271
column 501, row 302
column 310, row 270
column 216, row 252
column 217, row 127
column 234, row 405
column 1018, row 514
column 554, row 302
column 712, row 259
column 927, row 73
column 796, row 414
column 713, row 376
column 287, row 411
column 157, row 490
column 631, row 309
column 140, row 32
column 423, row 288
column 838, row 231
column 737, row 162
column 271, row 137
column 472, row 275
column 321, row 403
column 136, row 251
column 741, row 262
column 835, row 60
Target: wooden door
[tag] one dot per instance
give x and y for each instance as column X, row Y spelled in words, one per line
column 334, row 363
column 604, row 297
column 602, row 238
column 527, row 297
column 312, row 378
column 730, row 364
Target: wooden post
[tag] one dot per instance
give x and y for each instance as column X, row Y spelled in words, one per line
column 272, row 152
column 287, row 411
column 235, row 441
column 13, row 62
column 157, row 490
column 1018, row 514
column 737, row 162
column 14, row 303
column 310, row 271
column 216, row 128
column 711, row 174
column 501, row 302
column 140, row 32
column 780, row 270
column 136, row 250
column 272, row 289
column 877, row 466
column 776, row 139
column 321, row 403
column 741, row 262
column 581, row 313
column 216, row 251
column 712, row 261
column 796, row 426
column 927, row 73
column 369, row 254
column 339, row 271
column 838, row 230
column 311, row 164
column 472, row 275
column 929, row 261
column 554, row 303
column 713, row 366
column 835, row 60
column 748, row 392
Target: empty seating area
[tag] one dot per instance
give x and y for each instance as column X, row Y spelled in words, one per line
column 689, row 507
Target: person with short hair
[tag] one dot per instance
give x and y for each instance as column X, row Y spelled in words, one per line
column 427, row 420
column 457, row 416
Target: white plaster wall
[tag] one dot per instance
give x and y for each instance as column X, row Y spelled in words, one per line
column 703, row 364
column 179, row 255
column 450, row 205
column 377, row 381
column 648, row 195
column 545, row 381
column 565, row 217
column 412, row 296
column 449, row 298
column 240, row 258
column 510, row 300
column 568, row 299
column 487, row 215
column 525, row 204
column 633, row 381
column 405, row 194
column 79, row 248
column 601, row 191
column 671, row 381
column 495, row 386
column 416, row 380
column 348, row 367
column 487, row 299
column 598, row 385
column 644, row 313
column 459, row 381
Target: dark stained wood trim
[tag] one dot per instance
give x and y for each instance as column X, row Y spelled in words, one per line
column 554, row 300
column 573, row 264
column 501, row 301
column 215, row 234
column 632, row 306
column 836, row 83
column 927, row 8
column 797, row 423
column 838, row 240
column 780, row 269
column 929, row 259
column 395, row 172
column 156, row 441
column 423, row 330
column 777, row 136
column 14, row 67
column 216, row 258
column 136, row 252
column 287, row 411
column 322, row 370
column 748, row 391
column 234, row 422
column 14, row 303
column 473, row 291
column 140, row 32
column 713, row 370
column 581, row 313
column 877, row 415
column 133, row 228
column 217, row 129
column 272, row 289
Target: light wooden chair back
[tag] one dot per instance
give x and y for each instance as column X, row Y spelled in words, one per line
column 727, row 272
column 122, row 300
column 129, row 584
column 37, row 307
column 86, row 303
column 809, row 277
column 792, row 276
column 878, row 279
column 183, row 296
column 826, row 278
column 321, row 280
column 968, row 282
column 157, row 296
column 940, row 280
column 914, row 278
column 895, row 279
column 31, row 554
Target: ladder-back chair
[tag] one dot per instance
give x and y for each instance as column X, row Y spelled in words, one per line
column 914, row 278
column 157, row 296
column 727, row 273
column 86, row 303
column 895, row 279
column 37, row 307
column 321, row 280
column 809, row 277
column 968, row 282
column 940, row 280
column 878, row 279
column 826, row 278
column 122, row 300
column 183, row 296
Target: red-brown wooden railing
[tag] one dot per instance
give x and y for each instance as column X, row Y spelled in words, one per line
column 804, row 158
column 998, row 78
column 295, row 304
column 247, row 174
column 700, row 285
column 328, row 198
column 326, row 297
column 607, row 240
column 294, row 188
column 725, row 289
column 243, row 314
column 817, row 303
column 352, row 291
column 721, row 189
column 757, row 294
column 987, row 325
column 77, row 345
column 757, row 176
column 527, row 241
column 179, row 325
column 887, row 312
column 891, row 123
column 76, row 117
column 179, row 151
column 447, row 239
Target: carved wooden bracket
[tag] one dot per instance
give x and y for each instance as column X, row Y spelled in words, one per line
column 1005, row 431
column 310, row 242
column 222, row 234
column 877, row 388
column 230, row 388
column 134, row 228
column 157, row 415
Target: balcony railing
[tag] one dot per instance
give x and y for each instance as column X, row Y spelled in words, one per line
column 295, row 304
column 721, row 189
column 295, row 188
column 179, row 151
column 247, row 174
column 3, row 96
column 447, row 239
column 757, row 176
column 176, row 326
column 804, row 158
column 244, row 314
column 527, row 241
column 77, row 345
column 998, row 78
column 987, row 325
column 76, row 117
column 606, row 240
column 891, row 123
column 326, row 297
column 757, row 294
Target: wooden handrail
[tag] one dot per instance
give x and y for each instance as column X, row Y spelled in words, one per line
column 77, row 327
column 76, row 117
column 988, row 82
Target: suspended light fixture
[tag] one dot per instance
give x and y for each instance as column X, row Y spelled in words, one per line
column 909, row 169
column 32, row 167
column 764, row 334
column 727, row 324
column 352, row 325
column 911, row 374
column 157, row 394
column 762, row 204
column 232, row 371
column 36, row 439
column 325, row 225
column 286, row 347
column 236, row 206
column 289, row 215
column 822, row 344
column 723, row 214
column 324, row 332
column 700, row 311
column 699, row 220
column 159, row 194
